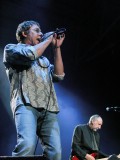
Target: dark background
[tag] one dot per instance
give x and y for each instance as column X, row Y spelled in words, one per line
column 91, row 59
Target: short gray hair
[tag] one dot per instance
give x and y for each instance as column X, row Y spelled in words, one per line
column 94, row 117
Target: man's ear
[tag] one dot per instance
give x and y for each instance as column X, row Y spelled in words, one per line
column 24, row 34
column 92, row 122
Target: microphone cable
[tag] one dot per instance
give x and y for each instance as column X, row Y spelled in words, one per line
column 58, row 32
column 45, row 109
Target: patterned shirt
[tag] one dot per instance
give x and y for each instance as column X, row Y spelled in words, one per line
column 31, row 78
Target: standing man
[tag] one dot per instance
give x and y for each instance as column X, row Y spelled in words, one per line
column 86, row 140
column 33, row 98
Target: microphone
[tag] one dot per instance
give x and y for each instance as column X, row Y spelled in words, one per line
column 57, row 31
column 115, row 109
column 60, row 31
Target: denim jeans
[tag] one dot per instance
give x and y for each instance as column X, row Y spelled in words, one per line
column 31, row 123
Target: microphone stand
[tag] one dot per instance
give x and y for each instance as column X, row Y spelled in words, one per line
column 113, row 109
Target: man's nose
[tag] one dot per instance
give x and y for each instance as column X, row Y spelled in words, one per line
column 40, row 33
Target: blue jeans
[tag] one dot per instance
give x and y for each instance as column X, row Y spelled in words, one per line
column 31, row 123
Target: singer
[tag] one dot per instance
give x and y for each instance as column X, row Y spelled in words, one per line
column 33, row 98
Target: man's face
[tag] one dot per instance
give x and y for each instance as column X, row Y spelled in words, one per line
column 34, row 35
column 96, row 124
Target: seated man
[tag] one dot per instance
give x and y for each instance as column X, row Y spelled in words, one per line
column 86, row 139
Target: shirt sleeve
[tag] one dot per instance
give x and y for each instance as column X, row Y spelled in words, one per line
column 76, row 143
column 56, row 77
column 19, row 54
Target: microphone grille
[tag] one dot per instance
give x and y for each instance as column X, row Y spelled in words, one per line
column 107, row 109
